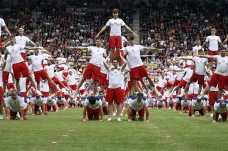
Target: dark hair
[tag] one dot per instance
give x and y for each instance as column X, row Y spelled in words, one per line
column 101, row 91
column 115, row 11
column 114, row 59
column 92, row 100
column 139, row 94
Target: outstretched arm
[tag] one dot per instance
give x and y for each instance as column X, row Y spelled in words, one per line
column 102, row 30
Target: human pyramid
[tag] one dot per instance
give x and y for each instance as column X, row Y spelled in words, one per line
column 31, row 78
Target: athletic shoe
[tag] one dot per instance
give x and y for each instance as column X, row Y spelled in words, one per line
column 211, row 115
column 1, row 117
column 109, row 119
column 114, row 114
column 18, row 115
column 119, row 119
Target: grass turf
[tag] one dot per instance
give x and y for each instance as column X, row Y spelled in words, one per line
column 63, row 131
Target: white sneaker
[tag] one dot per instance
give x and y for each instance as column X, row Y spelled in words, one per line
column 1, row 117
column 157, row 92
column 109, row 119
column 18, row 115
column 119, row 119
column 114, row 114
column 38, row 92
column 211, row 115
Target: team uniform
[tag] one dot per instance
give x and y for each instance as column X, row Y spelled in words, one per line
column 39, row 103
column 72, row 102
column 61, row 102
column 44, row 88
column 22, row 40
column 197, row 107
column 93, row 67
column 1, row 83
column 220, row 111
column 93, row 111
column 213, row 45
column 16, row 105
column 115, row 32
column 138, row 106
column 51, row 104
column 71, row 79
column 196, row 49
column 23, row 86
column 2, row 24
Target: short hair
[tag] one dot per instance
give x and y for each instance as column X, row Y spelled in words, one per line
column 115, row 59
column 92, row 100
column 114, row 11
column 213, row 29
column 131, row 37
column 139, row 94
column 101, row 91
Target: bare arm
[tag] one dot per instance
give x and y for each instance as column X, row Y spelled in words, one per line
column 106, row 63
column 84, row 114
column 102, row 30
column 205, row 56
column 147, row 114
column 22, row 113
column 7, row 30
column 124, row 63
column 101, row 109
column 7, row 113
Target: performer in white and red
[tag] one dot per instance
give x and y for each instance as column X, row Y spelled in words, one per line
column 38, row 102
column 1, row 89
column 51, row 104
column 23, row 40
column 44, row 88
column 196, row 48
column 115, row 38
column 3, row 24
column 104, row 103
column 138, row 104
column 220, row 75
column 71, row 79
column 114, row 92
column 18, row 64
column 15, row 103
column 198, row 105
column 103, row 81
column 93, row 67
column 214, row 42
column 138, row 70
column 23, row 87
column 93, row 108
column 220, row 108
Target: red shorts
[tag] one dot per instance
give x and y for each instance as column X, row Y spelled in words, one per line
column 64, row 83
column 5, row 76
column 103, row 79
column 24, row 94
column 213, row 97
column 114, row 95
column 1, row 94
column 105, row 110
column 195, row 77
column 45, row 94
column 56, row 80
column 41, row 74
column 65, row 74
column 159, row 89
column 140, row 112
column 20, row 69
column 73, row 87
column 44, row 65
column 212, row 53
column 219, row 80
column 48, row 108
column 92, row 71
column 13, row 114
column 185, row 108
column 37, row 107
column 176, row 82
column 168, row 85
column 138, row 72
column 82, row 91
column 115, row 42
column 182, row 83
column 93, row 114
column 10, row 86
column 23, row 54
column 192, row 96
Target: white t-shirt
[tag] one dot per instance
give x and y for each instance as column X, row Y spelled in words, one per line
column 50, row 70
column 161, row 82
column 137, row 106
column 8, row 64
column 23, row 84
column 103, row 69
column 72, row 100
column 188, row 74
column 95, row 106
column 61, row 101
column 39, row 102
column 198, row 106
column 44, row 87
column 46, row 56
column 21, row 40
column 123, row 40
column 15, row 53
column 193, row 88
column 222, row 65
column 134, row 58
column 71, row 79
column 51, row 102
column 59, row 75
column 185, row 103
column 115, row 78
column 219, row 109
column 97, row 55
column 15, row 105
column 200, row 64
column 196, row 49
column 213, row 42
column 179, row 75
column 2, row 24
column 115, row 26
column 37, row 62
column 171, row 78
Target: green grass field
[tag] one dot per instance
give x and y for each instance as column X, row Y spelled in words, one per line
column 64, row 131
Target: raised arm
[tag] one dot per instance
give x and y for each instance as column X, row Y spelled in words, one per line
column 205, row 56
column 106, row 63
column 130, row 30
column 102, row 30
column 124, row 63
column 7, row 30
